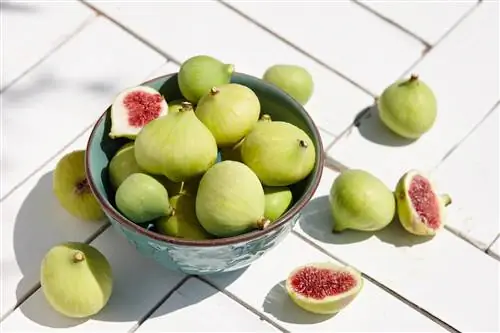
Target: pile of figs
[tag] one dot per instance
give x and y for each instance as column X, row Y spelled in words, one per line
column 210, row 165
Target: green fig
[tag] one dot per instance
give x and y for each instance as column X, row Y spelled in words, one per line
column 408, row 107
column 175, row 106
column 279, row 153
column 176, row 145
column 230, row 200
column 229, row 111
column 292, row 79
column 76, row 279
column 421, row 210
column 72, row 190
column 141, row 198
column 360, row 201
column 183, row 222
column 278, row 199
column 122, row 165
column 200, row 73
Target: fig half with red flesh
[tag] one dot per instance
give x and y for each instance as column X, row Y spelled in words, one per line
column 421, row 210
column 323, row 288
column 133, row 108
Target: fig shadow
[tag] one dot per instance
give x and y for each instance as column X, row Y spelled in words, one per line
column 396, row 235
column 278, row 304
column 369, row 125
column 316, row 221
column 41, row 223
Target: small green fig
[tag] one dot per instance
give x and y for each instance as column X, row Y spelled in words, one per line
column 360, row 201
column 279, row 153
column 200, row 73
column 230, row 200
column 122, row 165
column 141, row 198
column 76, row 279
column 229, row 111
column 408, row 107
column 176, row 145
column 175, row 106
column 421, row 210
column 294, row 80
column 183, row 222
column 278, row 199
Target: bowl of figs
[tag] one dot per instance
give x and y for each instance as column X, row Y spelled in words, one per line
column 207, row 169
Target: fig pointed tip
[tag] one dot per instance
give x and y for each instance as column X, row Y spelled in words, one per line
column 413, row 77
column 230, row 68
column 214, row 90
column 303, row 144
column 446, row 198
column 186, row 106
column 263, row 223
column 78, row 256
column 265, row 117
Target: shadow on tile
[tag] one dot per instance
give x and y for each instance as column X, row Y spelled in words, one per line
column 372, row 129
column 42, row 223
column 317, row 221
column 279, row 305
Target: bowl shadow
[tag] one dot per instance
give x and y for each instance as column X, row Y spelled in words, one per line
column 41, row 223
column 373, row 129
column 317, row 222
column 278, row 304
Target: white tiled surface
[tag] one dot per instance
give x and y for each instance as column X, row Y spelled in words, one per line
column 62, row 65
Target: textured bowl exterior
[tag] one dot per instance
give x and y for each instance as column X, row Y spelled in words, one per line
column 212, row 256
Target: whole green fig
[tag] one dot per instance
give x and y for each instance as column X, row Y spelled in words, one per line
column 278, row 199
column 294, row 80
column 230, row 200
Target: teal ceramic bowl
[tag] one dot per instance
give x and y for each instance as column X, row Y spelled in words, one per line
column 216, row 255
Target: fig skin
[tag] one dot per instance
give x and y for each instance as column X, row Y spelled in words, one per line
column 329, row 304
column 230, row 200
column 278, row 199
column 279, row 153
column 408, row 217
column 122, row 165
column 141, row 198
column 200, row 73
column 76, row 279
column 175, row 106
column 408, row 107
column 229, row 111
column 295, row 80
column 177, row 145
column 70, row 187
column 183, row 222
column 360, row 201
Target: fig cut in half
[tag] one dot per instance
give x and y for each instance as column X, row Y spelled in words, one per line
column 133, row 108
column 421, row 210
column 323, row 288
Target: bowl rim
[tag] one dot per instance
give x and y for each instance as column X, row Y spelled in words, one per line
column 255, row 234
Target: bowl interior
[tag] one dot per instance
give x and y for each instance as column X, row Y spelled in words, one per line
column 281, row 107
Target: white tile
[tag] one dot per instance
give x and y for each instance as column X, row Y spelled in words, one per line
column 470, row 176
column 66, row 93
column 445, row 276
column 347, row 37
column 262, row 286
column 494, row 249
column 215, row 311
column 335, row 102
column 440, row 16
column 30, row 31
column 139, row 284
column 32, row 222
column 462, row 71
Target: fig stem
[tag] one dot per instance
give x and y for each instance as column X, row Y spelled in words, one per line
column 263, row 223
column 265, row 117
column 78, row 256
column 230, row 68
column 214, row 91
column 186, row 106
column 303, row 144
column 181, row 190
column 413, row 77
column 446, row 199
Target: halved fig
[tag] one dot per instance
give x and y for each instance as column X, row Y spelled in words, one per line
column 133, row 108
column 421, row 210
column 323, row 288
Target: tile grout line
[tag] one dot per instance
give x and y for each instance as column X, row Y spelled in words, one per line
column 390, row 291
column 37, row 285
column 158, row 304
column 88, row 21
column 488, row 249
column 250, row 308
column 427, row 45
column 137, row 36
column 295, row 47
